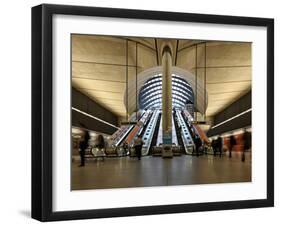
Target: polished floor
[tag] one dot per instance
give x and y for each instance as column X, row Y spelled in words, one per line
column 127, row 172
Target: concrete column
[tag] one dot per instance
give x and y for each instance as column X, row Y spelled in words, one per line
column 167, row 96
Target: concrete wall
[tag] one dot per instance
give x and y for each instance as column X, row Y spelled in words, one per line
column 85, row 104
column 242, row 104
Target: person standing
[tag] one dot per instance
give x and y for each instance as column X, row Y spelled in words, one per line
column 246, row 142
column 83, row 144
column 198, row 144
column 214, row 146
column 100, row 145
column 219, row 145
column 232, row 142
column 125, row 148
column 138, row 142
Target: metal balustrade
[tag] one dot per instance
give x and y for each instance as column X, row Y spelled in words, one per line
column 148, row 134
column 185, row 134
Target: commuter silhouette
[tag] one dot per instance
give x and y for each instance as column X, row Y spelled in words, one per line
column 125, row 147
column 219, row 145
column 198, row 144
column 232, row 142
column 83, row 144
column 100, row 145
column 214, row 146
column 138, row 146
column 247, row 143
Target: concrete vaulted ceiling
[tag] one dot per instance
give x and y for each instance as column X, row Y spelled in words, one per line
column 99, row 66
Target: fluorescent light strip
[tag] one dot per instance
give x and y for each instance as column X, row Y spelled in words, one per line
column 236, row 116
column 91, row 116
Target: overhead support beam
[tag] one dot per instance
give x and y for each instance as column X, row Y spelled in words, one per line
column 225, row 66
column 236, row 91
column 193, row 45
column 227, row 82
column 101, row 63
column 176, row 57
column 140, row 43
column 95, row 79
column 156, row 49
column 99, row 90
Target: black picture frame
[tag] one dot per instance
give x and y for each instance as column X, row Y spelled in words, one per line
column 42, row 111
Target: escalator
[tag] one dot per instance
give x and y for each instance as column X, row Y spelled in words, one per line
column 185, row 134
column 135, row 131
column 188, row 120
column 201, row 134
column 119, row 136
column 204, row 138
column 143, row 129
column 174, row 133
column 149, row 130
column 178, row 133
column 131, row 133
column 149, row 127
column 159, row 139
column 155, row 134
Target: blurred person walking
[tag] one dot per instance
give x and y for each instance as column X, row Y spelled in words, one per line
column 219, row 145
column 138, row 142
column 198, row 144
column 247, row 143
column 83, row 144
column 232, row 142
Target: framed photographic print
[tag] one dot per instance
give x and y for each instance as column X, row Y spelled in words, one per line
column 146, row 112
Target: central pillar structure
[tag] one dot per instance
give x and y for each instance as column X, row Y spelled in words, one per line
column 167, row 96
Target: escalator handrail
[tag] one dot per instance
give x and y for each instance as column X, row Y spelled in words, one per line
column 137, row 128
column 197, row 129
column 184, row 139
column 124, row 135
column 153, row 121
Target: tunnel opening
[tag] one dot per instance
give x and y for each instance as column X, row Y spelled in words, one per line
column 150, row 95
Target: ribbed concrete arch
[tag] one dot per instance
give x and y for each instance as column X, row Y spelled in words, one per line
column 147, row 74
